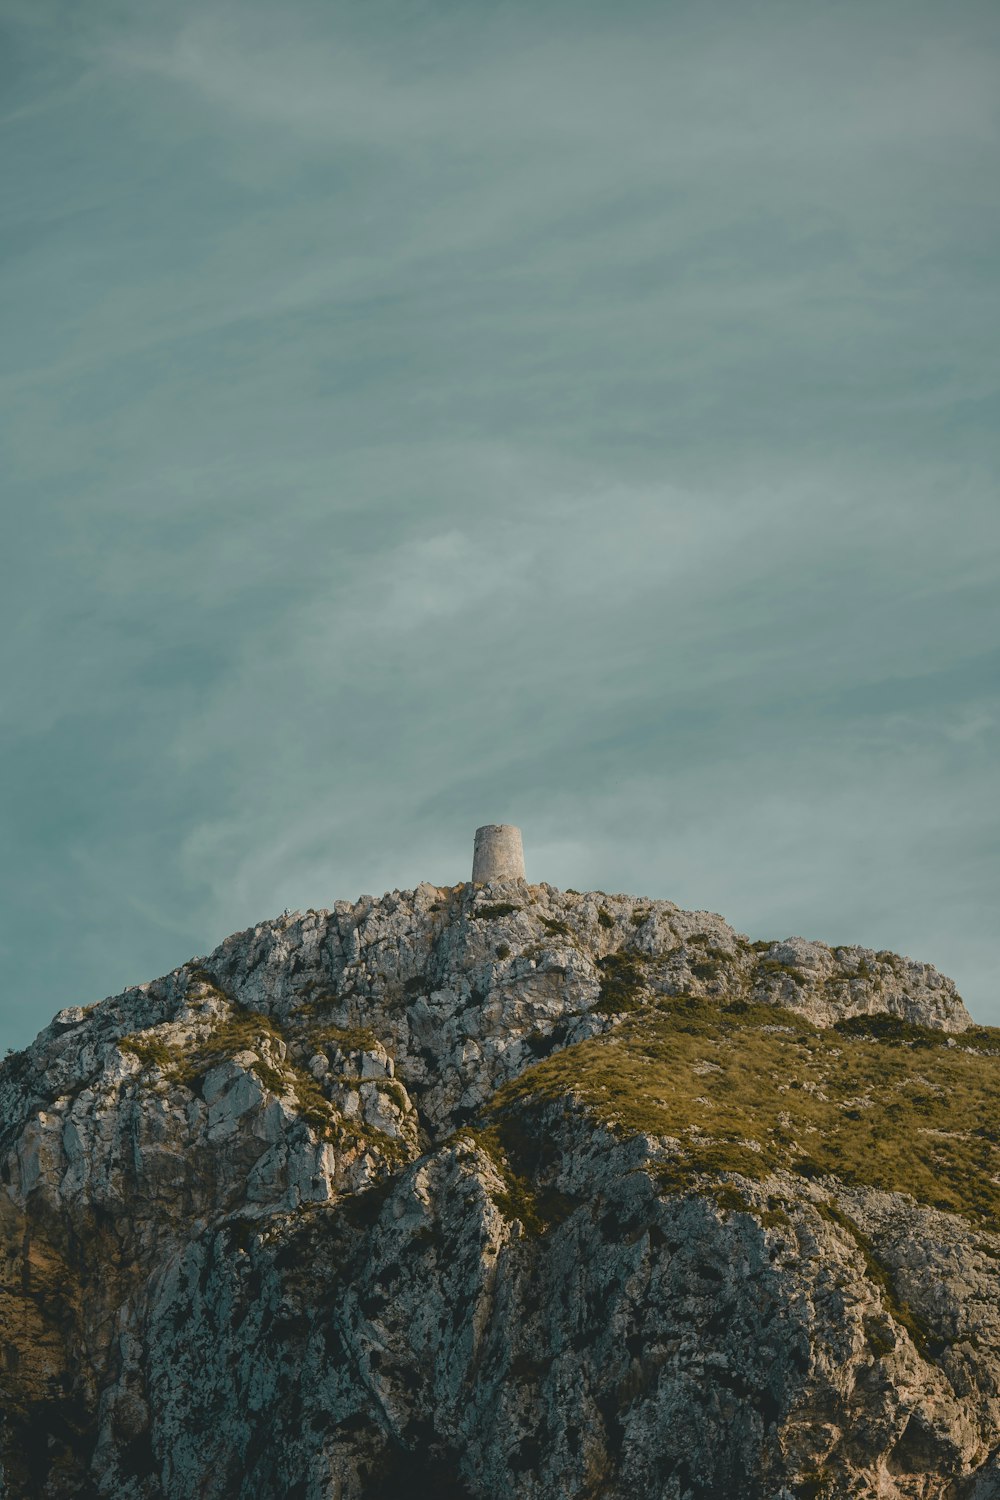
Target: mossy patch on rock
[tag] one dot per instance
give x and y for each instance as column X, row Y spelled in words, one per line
column 749, row 1089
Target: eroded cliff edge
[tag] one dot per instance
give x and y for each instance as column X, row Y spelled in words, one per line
column 503, row 1190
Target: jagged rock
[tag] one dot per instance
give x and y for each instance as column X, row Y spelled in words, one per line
column 504, row 1191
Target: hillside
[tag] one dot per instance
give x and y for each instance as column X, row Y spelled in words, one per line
column 505, row 1191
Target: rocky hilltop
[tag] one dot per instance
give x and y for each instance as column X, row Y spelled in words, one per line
column 499, row 1191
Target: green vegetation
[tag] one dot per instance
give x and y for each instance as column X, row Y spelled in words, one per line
column 316, row 1007
column 621, row 982
column 880, row 1336
column 151, row 1052
column 200, row 978
column 772, row 966
column 553, row 925
column 885, row 1028
column 605, row 918
column 538, row 1208
column 877, row 1273
column 534, row 951
column 347, row 1038
column 250, row 1031
column 711, row 954
column 980, row 1039
column 750, row 1088
column 488, row 913
column 246, row 1031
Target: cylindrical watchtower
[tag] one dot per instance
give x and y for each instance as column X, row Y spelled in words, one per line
column 498, row 854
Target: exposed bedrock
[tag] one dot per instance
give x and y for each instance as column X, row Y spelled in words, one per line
column 468, row 1192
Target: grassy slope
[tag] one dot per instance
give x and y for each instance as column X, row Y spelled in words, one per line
column 749, row 1088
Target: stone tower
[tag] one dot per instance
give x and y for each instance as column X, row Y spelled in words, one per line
column 498, row 853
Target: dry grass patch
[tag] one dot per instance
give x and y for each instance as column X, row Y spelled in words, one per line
column 750, row 1088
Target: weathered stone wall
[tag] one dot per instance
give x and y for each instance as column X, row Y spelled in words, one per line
column 498, row 854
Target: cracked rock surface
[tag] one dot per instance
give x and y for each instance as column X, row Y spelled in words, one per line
column 296, row 1221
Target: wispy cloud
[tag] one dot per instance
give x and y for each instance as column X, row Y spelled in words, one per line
column 733, row 88
column 415, row 417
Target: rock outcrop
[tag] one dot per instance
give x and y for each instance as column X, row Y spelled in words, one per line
column 505, row 1191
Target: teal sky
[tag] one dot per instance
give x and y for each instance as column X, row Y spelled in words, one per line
column 422, row 415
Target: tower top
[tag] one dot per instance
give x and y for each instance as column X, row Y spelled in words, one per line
column 498, row 854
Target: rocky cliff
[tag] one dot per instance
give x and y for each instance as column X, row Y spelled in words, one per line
column 505, row 1191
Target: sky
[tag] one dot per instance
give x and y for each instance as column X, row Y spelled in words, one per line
column 423, row 415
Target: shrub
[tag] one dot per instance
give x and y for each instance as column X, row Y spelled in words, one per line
column 621, row 984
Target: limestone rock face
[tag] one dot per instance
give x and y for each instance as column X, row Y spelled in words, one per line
column 262, row 1235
